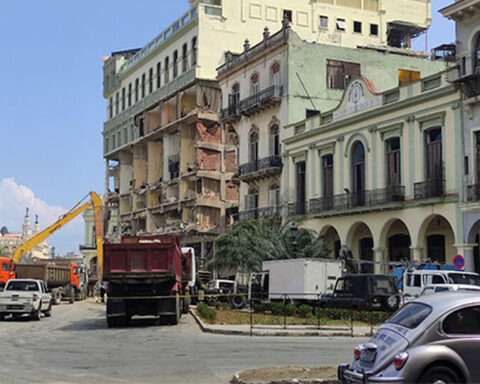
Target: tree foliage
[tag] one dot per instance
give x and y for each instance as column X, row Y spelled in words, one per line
column 254, row 241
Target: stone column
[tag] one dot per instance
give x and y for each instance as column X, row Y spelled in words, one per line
column 379, row 259
column 416, row 254
column 466, row 250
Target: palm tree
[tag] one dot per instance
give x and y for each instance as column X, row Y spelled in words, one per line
column 254, row 241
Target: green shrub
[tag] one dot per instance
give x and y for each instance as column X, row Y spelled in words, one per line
column 277, row 309
column 304, row 311
column 206, row 312
column 346, row 315
column 291, row 309
column 261, row 307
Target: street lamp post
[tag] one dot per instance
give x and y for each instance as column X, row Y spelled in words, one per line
column 294, row 229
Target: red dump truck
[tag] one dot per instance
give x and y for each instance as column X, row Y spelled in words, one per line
column 147, row 276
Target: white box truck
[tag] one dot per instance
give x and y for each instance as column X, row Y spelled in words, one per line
column 300, row 279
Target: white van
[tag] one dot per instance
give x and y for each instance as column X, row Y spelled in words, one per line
column 415, row 281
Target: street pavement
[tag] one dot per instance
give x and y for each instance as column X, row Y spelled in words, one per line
column 75, row 346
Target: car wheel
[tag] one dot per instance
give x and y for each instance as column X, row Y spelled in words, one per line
column 48, row 312
column 238, row 302
column 36, row 315
column 391, row 303
column 439, row 375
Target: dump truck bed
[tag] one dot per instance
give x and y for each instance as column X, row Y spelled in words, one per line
column 53, row 275
column 143, row 262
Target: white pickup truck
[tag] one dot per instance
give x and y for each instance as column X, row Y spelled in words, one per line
column 25, row 297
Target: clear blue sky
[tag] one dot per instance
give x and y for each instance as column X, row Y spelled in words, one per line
column 51, row 104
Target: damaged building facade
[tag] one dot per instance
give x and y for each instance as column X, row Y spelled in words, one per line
column 282, row 80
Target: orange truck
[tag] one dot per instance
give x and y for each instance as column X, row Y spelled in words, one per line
column 7, row 271
column 62, row 278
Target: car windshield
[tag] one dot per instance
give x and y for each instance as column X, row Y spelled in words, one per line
column 383, row 285
column 411, row 315
column 464, row 278
column 30, row 286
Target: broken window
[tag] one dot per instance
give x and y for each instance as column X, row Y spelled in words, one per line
column 339, row 73
column 276, row 79
column 174, row 166
column 341, row 25
column 374, row 29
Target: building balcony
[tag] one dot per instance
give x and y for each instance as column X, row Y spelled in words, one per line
column 232, row 113
column 470, row 85
column 261, row 100
column 429, row 189
column 348, row 201
column 473, row 192
column 263, row 168
column 260, row 213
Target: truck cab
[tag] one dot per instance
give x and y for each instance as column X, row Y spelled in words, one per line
column 415, row 281
column 7, row 271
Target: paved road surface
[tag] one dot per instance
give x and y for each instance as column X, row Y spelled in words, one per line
column 75, row 346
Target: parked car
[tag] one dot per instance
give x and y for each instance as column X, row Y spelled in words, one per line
column 25, row 297
column 436, row 288
column 218, row 287
column 364, row 292
column 434, row 339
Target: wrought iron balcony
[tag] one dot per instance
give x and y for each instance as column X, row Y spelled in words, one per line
column 428, row 189
column 262, row 99
column 297, row 209
column 346, row 201
column 232, row 112
column 470, row 85
column 261, row 168
column 473, row 192
column 260, row 213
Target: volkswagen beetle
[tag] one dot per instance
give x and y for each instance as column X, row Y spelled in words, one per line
column 434, row 339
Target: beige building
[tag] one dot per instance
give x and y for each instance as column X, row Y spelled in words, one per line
column 381, row 173
column 10, row 241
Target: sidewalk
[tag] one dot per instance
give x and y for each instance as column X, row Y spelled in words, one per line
column 287, row 375
column 292, row 330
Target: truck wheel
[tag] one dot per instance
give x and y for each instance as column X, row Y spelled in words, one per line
column 238, row 302
column 71, row 299
column 57, row 297
column 174, row 319
column 48, row 312
column 113, row 322
column 2, row 316
column 36, row 314
column 186, row 305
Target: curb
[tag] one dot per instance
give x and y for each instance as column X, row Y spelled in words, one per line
column 206, row 329
column 236, row 380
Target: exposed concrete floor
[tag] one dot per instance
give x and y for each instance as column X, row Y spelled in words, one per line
column 75, row 346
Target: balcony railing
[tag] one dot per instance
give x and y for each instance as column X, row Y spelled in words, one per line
column 260, row 213
column 233, row 111
column 428, row 189
column 270, row 162
column 470, row 85
column 473, row 192
column 251, row 103
column 346, row 201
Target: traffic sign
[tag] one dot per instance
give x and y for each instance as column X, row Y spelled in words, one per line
column 459, row 262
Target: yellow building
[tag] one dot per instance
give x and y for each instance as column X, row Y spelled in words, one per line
column 382, row 173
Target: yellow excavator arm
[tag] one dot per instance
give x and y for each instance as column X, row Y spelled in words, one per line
column 78, row 208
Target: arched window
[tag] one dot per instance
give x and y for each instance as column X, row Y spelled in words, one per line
column 274, row 141
column 476, row 54
column 274, row 197
column 275, row 75
column 253, row 147
column 358, row 174
column 254, row 84
column 234, row 99
column 251, row 203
